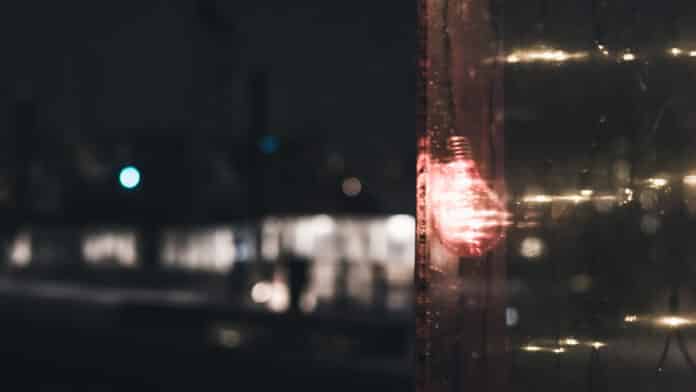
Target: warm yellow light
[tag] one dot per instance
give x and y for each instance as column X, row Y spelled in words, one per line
column 692, row 53
column 538, row 199
column 532, row 247
column 559, row 350
column 606, row 198
column 569, row 342
column 628, row 57
column 573, row 198
column 559, row 56
column 628, row 192
column 673, row 321
column 543, row 55
column 657, row 182
column 600, row 46
column 597, row 345
column 675, row 51
column 631, row 318
column 690, row 180
column 605, row 52
column 586, row 192
column 531, row 349
column 20, row 252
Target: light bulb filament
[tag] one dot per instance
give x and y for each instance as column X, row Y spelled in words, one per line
column 469, row 216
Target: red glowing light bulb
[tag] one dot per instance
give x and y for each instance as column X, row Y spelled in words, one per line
column 468, row 216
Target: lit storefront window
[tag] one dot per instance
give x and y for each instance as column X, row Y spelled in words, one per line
column 110, row 247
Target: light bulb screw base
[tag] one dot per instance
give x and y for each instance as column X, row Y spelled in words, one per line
column 459, row 147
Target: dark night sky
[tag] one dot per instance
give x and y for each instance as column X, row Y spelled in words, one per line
column 342, row 74
column 150, row 61
column 345, row 67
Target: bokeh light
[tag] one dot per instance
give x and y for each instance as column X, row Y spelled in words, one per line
column 20, row 250
column 129, row 177
column 631, row 318
column 512, row 317
column 532, row 247
column 269, row 144
column 674, row 321
column 586, row 192
column 351, row 187
column 262, row 292
column 401, row 227
column 569, row 342
column 628, row 57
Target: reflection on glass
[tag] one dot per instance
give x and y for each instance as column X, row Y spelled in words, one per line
column 468, row 216
column 543, row 54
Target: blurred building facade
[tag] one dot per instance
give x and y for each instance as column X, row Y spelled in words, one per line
column 359, row 262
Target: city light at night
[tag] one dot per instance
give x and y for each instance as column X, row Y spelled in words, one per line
column 586, row 192
column 628, row 57
column 129, row 177
column 563, row 345
column 538, row 199
column 597, row 345
column 674, row 321
column 547, row 55
column 532, row 247
column 660, row 321
column 352, row 187
column 532, row 348
column 658, row 182
column 569, row 342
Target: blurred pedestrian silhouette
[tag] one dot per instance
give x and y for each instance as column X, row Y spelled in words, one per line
column 380, row 287
column 298, row 278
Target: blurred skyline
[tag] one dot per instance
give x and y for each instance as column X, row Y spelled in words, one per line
column 166, row 85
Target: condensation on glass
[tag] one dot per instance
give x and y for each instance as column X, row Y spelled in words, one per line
column 571, row 266
column 461, row 202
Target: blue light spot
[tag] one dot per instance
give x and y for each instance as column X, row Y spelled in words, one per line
column 269, row 144
column 129, row 177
